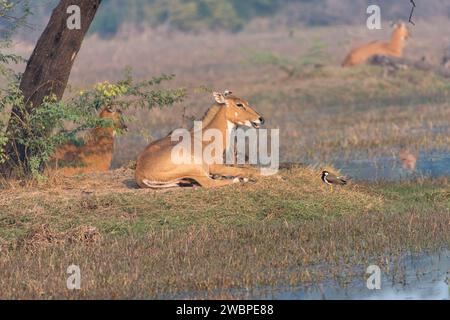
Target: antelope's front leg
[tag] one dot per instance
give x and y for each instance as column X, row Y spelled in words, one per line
column 227, row 171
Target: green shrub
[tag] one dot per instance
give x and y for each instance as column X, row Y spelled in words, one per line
column 46, row 126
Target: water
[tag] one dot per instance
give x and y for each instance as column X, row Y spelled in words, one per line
column 423, row 278
column 416, row 277
column 392, row 168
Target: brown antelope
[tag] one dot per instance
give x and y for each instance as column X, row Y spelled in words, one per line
column 157, row 169
column 97, row 152
column 394, row 48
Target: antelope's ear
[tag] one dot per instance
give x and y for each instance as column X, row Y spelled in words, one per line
column 110, row 109
column 399, row 24
column 220, row 98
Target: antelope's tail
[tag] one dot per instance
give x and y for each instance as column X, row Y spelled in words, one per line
column 160, row 185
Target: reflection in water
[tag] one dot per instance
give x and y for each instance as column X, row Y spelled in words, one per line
column 414, row 277
column 409, row 160
column 393, row 168
column 422, row 278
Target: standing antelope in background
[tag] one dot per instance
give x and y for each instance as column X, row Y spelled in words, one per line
column 156, row 167
column 97, row 152
column 394, row 48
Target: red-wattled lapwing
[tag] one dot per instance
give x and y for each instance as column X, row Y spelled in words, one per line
column 332, row 179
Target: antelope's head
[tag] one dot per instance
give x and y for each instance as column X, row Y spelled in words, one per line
column 238, row 111
column 116, row 116
column 401, row 31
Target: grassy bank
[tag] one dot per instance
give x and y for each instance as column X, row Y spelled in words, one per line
column 145, row 244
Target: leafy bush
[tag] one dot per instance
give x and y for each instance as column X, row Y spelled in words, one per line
column 46, row 125
column 9, row 23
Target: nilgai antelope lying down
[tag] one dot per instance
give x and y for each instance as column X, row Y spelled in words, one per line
column 156, row 167
column 97, row 152
column 394, row 48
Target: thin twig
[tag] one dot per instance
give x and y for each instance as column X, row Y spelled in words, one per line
column 412, row 12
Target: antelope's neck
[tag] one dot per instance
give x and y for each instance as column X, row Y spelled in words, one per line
column 397, row 42
column 220, row 122
column 101, row 136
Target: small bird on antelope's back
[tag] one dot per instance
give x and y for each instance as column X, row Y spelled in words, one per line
column 332, row 179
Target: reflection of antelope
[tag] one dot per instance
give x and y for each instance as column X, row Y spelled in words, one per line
column 408, row 159
column 155, row 166
column 393, row 48
column 97, row 152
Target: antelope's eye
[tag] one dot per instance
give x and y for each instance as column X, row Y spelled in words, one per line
column 240, row 105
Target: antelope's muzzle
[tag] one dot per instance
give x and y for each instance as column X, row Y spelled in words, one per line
column 258, row 123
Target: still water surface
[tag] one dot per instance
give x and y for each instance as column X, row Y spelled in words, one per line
column 391, row 168
column 422, row 277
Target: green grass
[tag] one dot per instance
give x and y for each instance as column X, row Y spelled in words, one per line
column 297, row 196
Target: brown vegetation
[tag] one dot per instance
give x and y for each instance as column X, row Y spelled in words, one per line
column 234, row 242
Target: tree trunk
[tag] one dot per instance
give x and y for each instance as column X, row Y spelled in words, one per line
column 47, row 71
